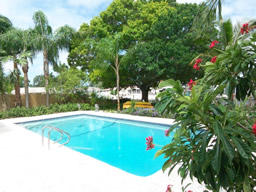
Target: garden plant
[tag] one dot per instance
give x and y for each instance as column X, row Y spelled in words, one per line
column 215, row 135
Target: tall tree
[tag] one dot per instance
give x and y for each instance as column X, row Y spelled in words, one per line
column 50, row 43
column 28, row 52
column 166, row 49
column 38, row 81
column 108, row 55
column 5, row 24
column 11, row 43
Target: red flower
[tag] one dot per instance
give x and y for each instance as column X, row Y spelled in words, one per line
column 169, row 189
column 199, row 60
column 214, row 59
column 254, row 128
column 245, row 29
column 191, row 83
column 196, row 67
column 213, row 44
column 190, row 191
column 166, row 132
column 149, row 143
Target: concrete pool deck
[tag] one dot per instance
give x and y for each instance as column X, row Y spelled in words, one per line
column 26, row 166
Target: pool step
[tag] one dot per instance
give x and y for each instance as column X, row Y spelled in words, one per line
column 56, row 129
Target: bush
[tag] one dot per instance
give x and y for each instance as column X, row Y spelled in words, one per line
column 43, row 110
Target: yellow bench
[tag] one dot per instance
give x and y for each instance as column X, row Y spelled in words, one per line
column 128, row 104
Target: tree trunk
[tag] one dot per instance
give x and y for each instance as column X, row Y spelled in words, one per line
column 117, row 83
column 144, row 91
column 17, row 84
column 25, row 71
column 46, row 75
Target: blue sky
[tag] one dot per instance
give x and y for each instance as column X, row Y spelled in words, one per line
column 75, row 12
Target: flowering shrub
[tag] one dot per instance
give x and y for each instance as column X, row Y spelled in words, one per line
column 215, row 138
column 149, row 112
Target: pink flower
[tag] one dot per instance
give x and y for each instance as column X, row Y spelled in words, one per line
column 149, row 143
column 191, row 83
column 214, row 59
column 254, row 128
column 213, row 44
column 166, row 132
column 190, row 191
column 245, row 29
column 169, row 188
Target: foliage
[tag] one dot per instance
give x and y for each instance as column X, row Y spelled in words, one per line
column 5, row 24
column 43, row 110
column 50, row 43
column 154, row 38
column 69, row 82
column 168, row 47
column 213, row 138
column 38, row 81
column 142, row 112
column 235, row 66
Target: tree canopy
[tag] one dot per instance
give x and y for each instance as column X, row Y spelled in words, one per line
column 155, row 39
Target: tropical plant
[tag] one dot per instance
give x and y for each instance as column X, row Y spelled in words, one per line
column 5, row 24
column 68, row 84
column 109, row 55
column 215, row 137
column 50, row 43
column 38, row 81
column 233, row 64
column 12, row 45
column 213, row 140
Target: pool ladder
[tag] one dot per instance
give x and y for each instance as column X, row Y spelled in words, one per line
column 57, row 129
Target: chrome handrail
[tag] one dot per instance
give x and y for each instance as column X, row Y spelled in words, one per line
column 57, row 129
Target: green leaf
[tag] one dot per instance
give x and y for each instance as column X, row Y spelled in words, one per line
column 202, row 153
column 158, row 153
column 217, row 111
column 228, row 148
column 166, row 165
column 239, row 144
column 231, row 174
column 216, row 163
column 246, row 185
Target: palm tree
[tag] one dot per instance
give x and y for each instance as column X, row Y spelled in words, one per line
column 5, row 24
column 50, row 43
column 11, row 44
column 27, row 53
column 108, row 55
column 203, row 20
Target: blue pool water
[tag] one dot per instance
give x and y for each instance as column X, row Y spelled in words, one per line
column 120, row 143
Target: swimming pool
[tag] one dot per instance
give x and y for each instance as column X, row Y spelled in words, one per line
column 120, row 143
